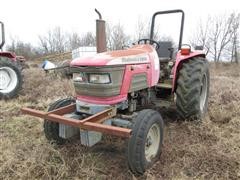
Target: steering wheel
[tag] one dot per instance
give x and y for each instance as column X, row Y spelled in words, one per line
column 149, row 41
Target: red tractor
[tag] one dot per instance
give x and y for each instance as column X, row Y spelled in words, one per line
column 119, row 92
column 10, row 71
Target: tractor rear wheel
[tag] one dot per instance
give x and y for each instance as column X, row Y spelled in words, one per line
column 10, row 79
column 193, row 89
column 51, row 129
column 144, row 146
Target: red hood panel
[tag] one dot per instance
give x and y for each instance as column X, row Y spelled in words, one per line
column 135, row 55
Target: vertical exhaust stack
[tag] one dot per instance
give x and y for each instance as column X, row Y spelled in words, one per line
column 3, row 36
column 100, row 34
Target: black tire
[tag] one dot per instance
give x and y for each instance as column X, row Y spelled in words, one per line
column 138, row 161
column 193, row 89
column 10, row 69
column 51, row 129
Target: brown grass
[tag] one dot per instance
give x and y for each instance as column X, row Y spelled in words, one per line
column 207, row 150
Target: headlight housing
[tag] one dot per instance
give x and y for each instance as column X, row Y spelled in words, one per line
column 99, row 78
column 78, row 77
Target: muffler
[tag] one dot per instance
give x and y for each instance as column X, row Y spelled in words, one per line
column 100, row 34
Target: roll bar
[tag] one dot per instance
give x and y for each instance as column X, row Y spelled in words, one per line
column 169, row 12
column 3, row 35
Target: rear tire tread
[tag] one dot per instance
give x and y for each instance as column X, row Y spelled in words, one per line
column 188, row 88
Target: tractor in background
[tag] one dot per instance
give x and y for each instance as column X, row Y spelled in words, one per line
column 119, row 93
column 11, row 66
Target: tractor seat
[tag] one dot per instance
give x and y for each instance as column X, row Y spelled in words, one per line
column 164, row 51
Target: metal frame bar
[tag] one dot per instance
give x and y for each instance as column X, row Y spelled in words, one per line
column 3, row 36
column 92, row 123
column 64, row 110
column 169, row 12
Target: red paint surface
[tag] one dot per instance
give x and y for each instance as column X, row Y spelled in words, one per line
column 103, row 59
column 181, row 58
column 132, row 70
column 149, row 66
column 155, row 71
column 8, row 55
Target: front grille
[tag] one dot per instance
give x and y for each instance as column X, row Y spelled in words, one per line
column 99, row 90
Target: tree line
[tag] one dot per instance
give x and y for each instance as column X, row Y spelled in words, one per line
column 218, row 36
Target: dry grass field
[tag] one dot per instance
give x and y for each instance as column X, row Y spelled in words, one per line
column 192, row 150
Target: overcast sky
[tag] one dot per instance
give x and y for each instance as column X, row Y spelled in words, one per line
column 26, row 19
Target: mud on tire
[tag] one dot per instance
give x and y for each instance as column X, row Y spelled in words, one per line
column 51, row 129
column 193, row 89
column 11, row 79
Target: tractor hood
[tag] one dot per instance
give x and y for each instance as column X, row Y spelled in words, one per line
column 135, row 55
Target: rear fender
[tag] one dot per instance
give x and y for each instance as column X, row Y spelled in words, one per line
column 178, row 64
column 9, row 55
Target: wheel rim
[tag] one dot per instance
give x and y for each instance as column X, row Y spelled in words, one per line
column 203, row 92
column 8, row 79
column 152, row 142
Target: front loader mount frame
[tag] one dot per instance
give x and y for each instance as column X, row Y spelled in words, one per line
column 92, row 123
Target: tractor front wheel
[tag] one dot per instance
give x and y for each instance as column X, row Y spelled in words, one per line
column 144, row 146
column 10, row 79
column 51, row 129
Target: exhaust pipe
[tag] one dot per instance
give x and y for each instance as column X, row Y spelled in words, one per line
column 100, row 34
column 3, row 36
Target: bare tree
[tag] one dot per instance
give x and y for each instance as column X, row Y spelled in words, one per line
column 12, row 46
column 48, row 39
column 217, row 35
column 43, row 45
column 116, row 38
column 235, row 37
column 220, row 35
column 143, row 27
column 21, row 49
column 59, row 40
column 53, row 42
column 74, row 41
column 200, row 38
column 88, row 39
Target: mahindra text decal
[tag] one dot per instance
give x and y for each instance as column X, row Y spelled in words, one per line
column 130, row 60
column 134, row 59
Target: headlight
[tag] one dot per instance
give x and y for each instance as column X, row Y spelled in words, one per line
column 78, row 77
column 99, row 78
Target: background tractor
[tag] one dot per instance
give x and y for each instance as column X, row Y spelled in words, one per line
column 10, row 71
column 119, row 93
